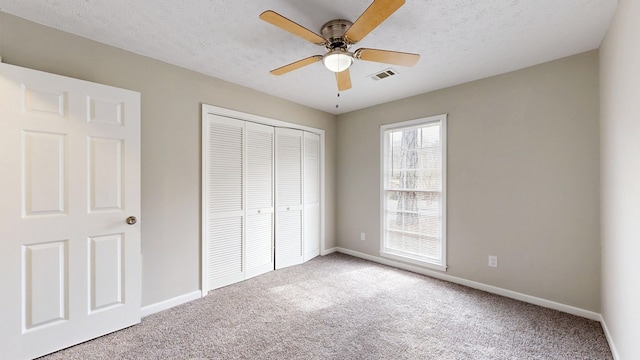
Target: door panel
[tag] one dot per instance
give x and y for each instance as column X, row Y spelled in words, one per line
column 44, row 173
column 106, row 271
column 289, row 167
column 289, row 238
column 260, row 244
column 225, row 250
column 289, row 246
column 223, row 190
column 259, row 199
column 43, row 102
column 311, row 231
column 259, row 149
column 311, row 195
column 105, row 111
column 46, row 299
column 70, row 264
column 106, row 166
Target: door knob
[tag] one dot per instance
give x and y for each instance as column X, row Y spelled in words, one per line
column 131, row 220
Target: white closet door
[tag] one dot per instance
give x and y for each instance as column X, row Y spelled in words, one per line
column 259, row 199
column 311, row 195
column 289, row 246
column 224, row 189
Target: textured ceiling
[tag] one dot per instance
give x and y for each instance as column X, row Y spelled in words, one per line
column 459, row 40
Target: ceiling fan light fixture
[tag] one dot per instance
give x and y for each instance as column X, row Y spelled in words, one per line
column 337, row 60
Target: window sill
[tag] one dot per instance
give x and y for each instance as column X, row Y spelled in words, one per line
column 413, row 261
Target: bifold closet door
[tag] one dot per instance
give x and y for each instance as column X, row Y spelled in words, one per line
column 260, row 213
column 289, row 206
column 311, row 184
column 224, row 189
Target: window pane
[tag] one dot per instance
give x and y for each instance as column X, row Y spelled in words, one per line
column 415, row 159
column 391, row 200
column 394, row 239
column 430, row 247
column 429, row 202
column 394, row 221
column 419, row 220
column 411, row 223
column 429, row 225
column 411, row 243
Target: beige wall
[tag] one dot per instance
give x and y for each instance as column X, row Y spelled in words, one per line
column 523, row 178
column 171, row 99
column 620, row 139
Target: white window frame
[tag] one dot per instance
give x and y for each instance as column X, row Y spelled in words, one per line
column 438, row 264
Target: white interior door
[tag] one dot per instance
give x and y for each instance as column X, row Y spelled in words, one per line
column 311, row 186
column 259, row 199
column 224, row 187
column 289, row 206
column 70, row 165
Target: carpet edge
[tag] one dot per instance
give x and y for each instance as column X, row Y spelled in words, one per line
column 591, row 315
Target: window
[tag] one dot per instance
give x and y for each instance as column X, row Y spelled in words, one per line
column 413, row 191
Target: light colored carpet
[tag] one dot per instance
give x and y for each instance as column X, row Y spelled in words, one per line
column 340, row 307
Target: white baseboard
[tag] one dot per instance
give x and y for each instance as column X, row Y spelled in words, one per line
column 477, row 285
column 607, row 334
column 169, row 303
column 328, row 251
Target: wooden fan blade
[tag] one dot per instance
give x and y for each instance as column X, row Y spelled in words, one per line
column 344, row 80
column 387, row 57
column 375, row 14
column 282, row 22
column 296, row 65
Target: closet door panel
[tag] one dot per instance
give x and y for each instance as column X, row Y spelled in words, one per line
column 289, row 167
column 289, row 206
column 260, row 162
column 224, row 188
column 225, row 158
column 311, row 195
column 289, row 239
column 260, row 244
column 259, row 199
column 225, row 251
column 311, row 231
column 311, row 168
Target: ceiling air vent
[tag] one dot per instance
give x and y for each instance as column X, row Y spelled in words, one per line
column 384, row 74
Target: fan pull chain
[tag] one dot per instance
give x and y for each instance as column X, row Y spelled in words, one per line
column 337, row 106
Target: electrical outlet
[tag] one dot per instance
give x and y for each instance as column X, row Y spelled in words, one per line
column 493, row 261
column 362, row 237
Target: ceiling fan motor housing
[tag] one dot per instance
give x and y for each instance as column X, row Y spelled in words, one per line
column 334, row 31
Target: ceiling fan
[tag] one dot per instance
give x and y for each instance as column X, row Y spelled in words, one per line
column 337, row 36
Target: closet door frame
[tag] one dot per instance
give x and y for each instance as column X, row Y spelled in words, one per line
column 209, row 110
